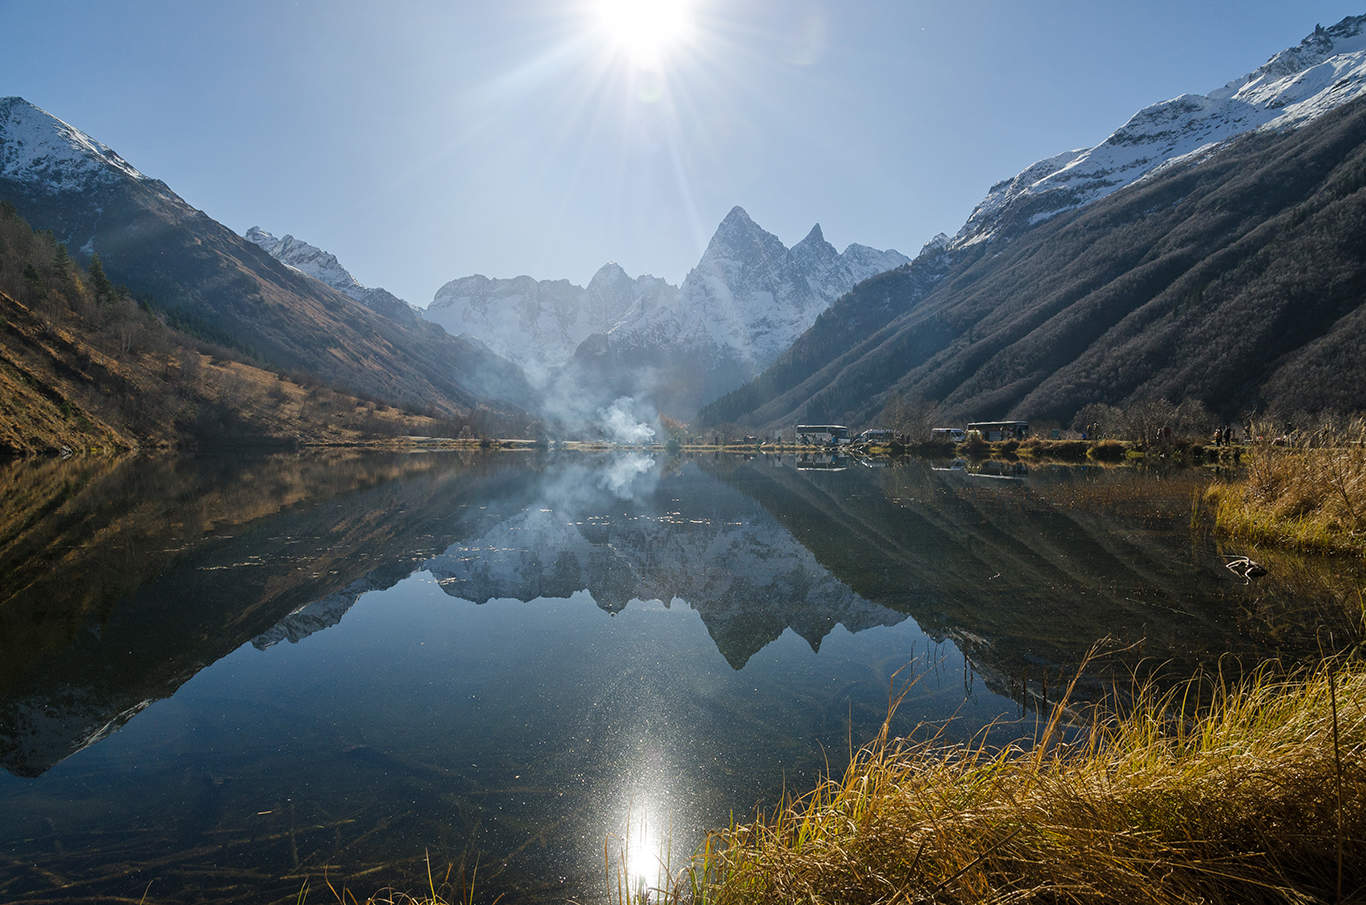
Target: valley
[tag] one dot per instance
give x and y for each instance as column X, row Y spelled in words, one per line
column 621, row 550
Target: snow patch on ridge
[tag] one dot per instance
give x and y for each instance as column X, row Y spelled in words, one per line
column 750, row 297
column 1326, row 70
column 39, row 149
column 539, row 323
column 308, row 259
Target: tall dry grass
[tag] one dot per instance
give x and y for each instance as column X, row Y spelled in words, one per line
column 1305, row 490
column 1258, row 795
column 1252, row 794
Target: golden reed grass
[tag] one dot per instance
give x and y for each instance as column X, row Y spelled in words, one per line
column 1256, row 795
column 1305, row 490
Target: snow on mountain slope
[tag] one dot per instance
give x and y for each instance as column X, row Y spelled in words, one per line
column 320, row 265
column 312, row 618
column 749, row 296
column 746, row 300
column 39, row 149
column 864, row 262
column 1327, row 69
column 541, row 322
column 325, row 268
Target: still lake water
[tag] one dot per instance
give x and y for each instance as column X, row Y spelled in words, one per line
column 221, row 677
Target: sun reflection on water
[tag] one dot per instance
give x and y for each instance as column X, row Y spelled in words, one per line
column 643, row 842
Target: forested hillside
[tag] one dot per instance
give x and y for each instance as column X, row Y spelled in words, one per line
column 84, row 366
column 1236, row 280
column 214, row 283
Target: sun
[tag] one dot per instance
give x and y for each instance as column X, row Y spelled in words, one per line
column 645, row 31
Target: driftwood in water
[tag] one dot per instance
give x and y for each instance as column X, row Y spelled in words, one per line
column 1245, row 567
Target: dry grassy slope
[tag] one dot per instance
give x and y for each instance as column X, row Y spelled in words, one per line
column 58, row 391
column 40, row 367
column 87, row 369
column 231, row 292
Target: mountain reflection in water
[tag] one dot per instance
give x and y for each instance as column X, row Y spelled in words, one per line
column 514, row 658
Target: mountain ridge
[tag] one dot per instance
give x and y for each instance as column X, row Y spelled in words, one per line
column 748, row 299
column 1236, row 280
column 1325, row 70
column 540, row 322
column 205, row 278
column 847, row 366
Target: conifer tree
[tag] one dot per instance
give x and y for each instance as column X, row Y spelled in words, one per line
column 104, row 289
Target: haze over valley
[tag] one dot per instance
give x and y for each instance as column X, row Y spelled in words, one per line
column 513, row 451
column 982, row 324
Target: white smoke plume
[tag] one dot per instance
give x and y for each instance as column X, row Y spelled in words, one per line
column 622, row 422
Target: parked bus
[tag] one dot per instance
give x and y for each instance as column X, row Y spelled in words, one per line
column 822, row 434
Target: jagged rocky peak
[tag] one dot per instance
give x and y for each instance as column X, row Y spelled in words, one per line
column 818, row 258
column 610, row 277
column 937, row 244
column 864, row 261
column 321, row 265
column 815, row 251
column 39, row 149
column 737, row 218
column 1324, row 71
column 325, row 268
column 1347, row 36
column 746, row 301
column 541, row 322
column 743, row 303
column 738, row 236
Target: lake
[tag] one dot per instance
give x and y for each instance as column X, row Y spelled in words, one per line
column 221, row 678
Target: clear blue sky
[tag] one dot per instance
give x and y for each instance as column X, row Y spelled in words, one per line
column 421, row 141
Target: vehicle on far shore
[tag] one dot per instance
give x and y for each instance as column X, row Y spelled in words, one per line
column 822, row 434
column 995, row 431
column 948, row 435
column 876, row 436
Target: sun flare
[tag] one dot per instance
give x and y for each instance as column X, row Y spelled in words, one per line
column 646, row 31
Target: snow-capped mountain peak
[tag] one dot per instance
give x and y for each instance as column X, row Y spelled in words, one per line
column 41, row 150
column 815, row 249
column 539, row 323
column 324, row 267
column 739, row 238
column 746, row 301
column 814, row 235
column 736, row 218
column 1324, row 71
column 321, row 265
column 608, row 276
column 1348, row 36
